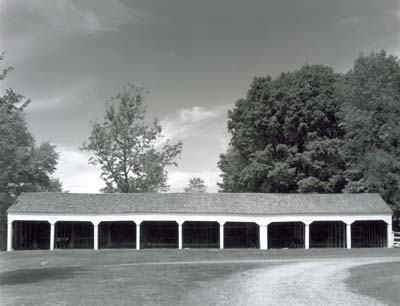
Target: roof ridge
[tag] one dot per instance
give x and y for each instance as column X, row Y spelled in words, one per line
column 201, row 193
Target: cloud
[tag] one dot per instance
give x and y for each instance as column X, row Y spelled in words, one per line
column 348, row 23
column 78, row 176
column 34, row 25
column 353, row 20
column 75, row 172
column 73, row 16
column 69, row 96
column 187, row 121
column 205, row 127
column 387, row 21
column 178, row 180
column 197, row 113
column 372, row 31
column 67, row 16
column 204, row 136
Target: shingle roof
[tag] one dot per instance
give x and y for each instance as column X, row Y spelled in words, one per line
column 217, row 203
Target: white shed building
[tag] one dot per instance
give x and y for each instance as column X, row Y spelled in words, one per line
column 198, row 220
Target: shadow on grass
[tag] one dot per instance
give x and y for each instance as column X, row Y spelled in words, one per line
column 28, row 276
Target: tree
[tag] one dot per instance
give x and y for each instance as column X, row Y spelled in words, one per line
column 196, row 184
column 131, row 152
column 286, row 135
column 371, row 112
column 24, row 166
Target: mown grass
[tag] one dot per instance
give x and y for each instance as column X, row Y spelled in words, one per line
column 129, row 277
column 380, row 281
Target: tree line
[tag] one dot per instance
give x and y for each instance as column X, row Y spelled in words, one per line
column 314, row 130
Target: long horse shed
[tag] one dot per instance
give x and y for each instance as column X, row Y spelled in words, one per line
column 198, row 220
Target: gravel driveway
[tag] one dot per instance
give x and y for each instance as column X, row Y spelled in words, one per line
column 320, row 282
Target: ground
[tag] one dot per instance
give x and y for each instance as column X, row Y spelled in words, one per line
column 201, row 277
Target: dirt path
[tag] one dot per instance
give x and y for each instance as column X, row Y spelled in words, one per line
column 306, row 283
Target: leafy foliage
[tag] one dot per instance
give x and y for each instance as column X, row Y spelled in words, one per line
column 286, row 135
column 371, row 113
column 23, row 165
column 132, row 153
column 314, row 131
column 196, row 184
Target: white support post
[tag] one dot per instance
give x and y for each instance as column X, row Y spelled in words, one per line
column 307, row 236
column 221, row 236
column 52, row 235
column 96, row 235
column 263, row 237
column 389, row 236
column 348, row 235
column 9, row 236
column 137, row 235
column 180, row 236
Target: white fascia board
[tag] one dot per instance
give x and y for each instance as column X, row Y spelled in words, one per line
column 182, row 217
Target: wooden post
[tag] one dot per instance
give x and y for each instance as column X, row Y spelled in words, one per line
column 9, row 236
column 389, row 235
column 96, row 236
column 307, row 236
column 52, row 234
column 221, row 236
column 180, row 236
column 138, row 236
column 348, row 235
column 263, row 237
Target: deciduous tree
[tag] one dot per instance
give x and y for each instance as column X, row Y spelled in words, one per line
column 196, row 184
column 286, row 135
column 371, row 115
column 131, row 152
column 24, row 166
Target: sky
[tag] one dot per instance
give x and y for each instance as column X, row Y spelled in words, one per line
column 195, row 59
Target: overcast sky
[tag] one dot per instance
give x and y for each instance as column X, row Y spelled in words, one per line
column 196, row 58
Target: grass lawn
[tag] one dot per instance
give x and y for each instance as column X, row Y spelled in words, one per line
column 380, row 281
column 162, row 277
